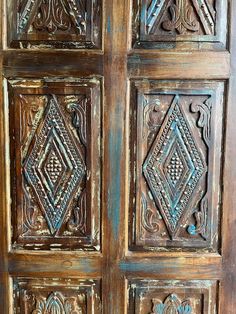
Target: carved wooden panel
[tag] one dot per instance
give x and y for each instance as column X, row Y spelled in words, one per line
column 54, row 23
column 175, row 152
column 55, row 163
column 61, row 296
column 159, row 23
column 167, row 297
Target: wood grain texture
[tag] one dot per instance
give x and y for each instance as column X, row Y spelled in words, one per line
column 186, row 65
column 115, row 97
column 228, row 285
column 65, row 63
column 111, row 54
column 66, row 264
column 209, row 266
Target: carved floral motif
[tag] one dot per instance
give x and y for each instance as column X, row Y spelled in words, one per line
column 56, row 303
column 180, row 16
column 172, row 305
column 53, row 15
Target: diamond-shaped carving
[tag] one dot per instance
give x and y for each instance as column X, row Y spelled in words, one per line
column 174, row 167
column 54, row 167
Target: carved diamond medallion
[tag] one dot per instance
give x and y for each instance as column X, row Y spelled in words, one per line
column 174, row 167
column 54, row 167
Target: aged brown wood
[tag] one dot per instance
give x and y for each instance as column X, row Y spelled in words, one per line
column 228, row 285
column 117, row 158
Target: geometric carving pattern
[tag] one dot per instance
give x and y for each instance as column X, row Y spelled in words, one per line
column 175, row 163
column 56, row 296
column 174, row 167
column 54, row 23
column 54, row 166
column 172, row 297
column 55, row 146
column 156, row 22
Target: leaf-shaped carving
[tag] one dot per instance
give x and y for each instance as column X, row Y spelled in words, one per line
column 201, row 220
column 29, row 112
column 150, row 221
column 79, row 119
column 32, row 220
column 78, row 220
column 204, row 120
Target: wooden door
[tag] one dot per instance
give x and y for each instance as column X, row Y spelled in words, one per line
column 118, row 157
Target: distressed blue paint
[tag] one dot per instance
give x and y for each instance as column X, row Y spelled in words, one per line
column 115, row 145
column 191, row 229
column 153, row 12
column 109, row 24
column 144, row 267
column 159, row 308
column 143, row 15
column 184, row 309
column 164, row 308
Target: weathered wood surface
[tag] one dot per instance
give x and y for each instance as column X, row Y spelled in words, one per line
column 117, row 157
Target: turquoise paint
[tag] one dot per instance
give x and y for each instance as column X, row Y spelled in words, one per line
column 143, row 15
column 109, row 24
column 115, row 146
column 143, row 267
column 184, row 309
column 159, row 308
column 191, row 229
